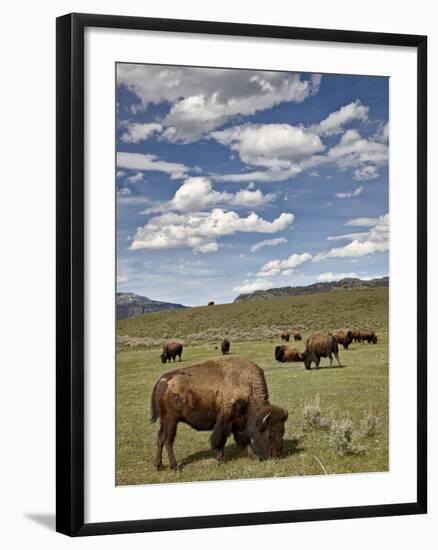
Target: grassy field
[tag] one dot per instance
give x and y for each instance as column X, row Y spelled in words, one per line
column 356, row 389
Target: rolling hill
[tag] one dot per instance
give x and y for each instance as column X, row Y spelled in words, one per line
column 258, row 319
column 343, row 284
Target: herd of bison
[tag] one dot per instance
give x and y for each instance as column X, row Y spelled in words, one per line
column 229, row 395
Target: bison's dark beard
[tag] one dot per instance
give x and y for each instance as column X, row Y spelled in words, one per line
column 242, row 439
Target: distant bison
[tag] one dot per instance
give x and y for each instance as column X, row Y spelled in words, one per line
column 367, row 336
column 355, row 334
column 320, row 345
column 171, row 350
column 296, row 335
column 284, row 354
column 225, row 346
column 210, row 304
column 344, row 337
column 225, row 396
column 285, row 336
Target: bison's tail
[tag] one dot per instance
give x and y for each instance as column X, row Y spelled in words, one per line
column 155, row 413
column 335, row 344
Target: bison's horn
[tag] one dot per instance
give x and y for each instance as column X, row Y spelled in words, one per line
column 286, row 414
column 265, row 418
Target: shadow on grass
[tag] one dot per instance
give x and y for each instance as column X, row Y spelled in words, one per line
column 328, row 367
column 234, row 452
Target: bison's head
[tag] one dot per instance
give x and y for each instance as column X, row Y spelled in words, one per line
column 163, row 357
column 307, row 357
column 266, row 432
column 279, row 353
column 374, row 340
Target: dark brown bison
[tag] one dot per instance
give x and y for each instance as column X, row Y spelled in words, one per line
column 225, row 346
column 367, row 336
column 171, row 350
column 296, row 335
column 320, row 345
column 225, row 396
column 355, row 334
column 344, row 337
column 285, row 336
column 284, row 354
column 210, row 304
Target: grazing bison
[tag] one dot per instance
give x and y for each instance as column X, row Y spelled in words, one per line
column 284, row 354
column 320, row 345
column 170, row 351
column 224, row 396
column 285, row 336
column 296, row 335
column 355, row 334
column 225, row 346
column 367, row 336
column 210, row 304
column 343, row 337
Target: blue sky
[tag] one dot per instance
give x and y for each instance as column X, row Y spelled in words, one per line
column 230, row 181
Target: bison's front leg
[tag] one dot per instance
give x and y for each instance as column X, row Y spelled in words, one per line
column 337, row 358
column 219, row 436
column 251, row 454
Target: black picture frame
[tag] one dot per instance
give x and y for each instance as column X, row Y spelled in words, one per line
column 70, row 273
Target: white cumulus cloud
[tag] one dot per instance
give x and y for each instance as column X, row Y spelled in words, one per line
column 270, row 145
column 335, row 122
column 200, row 231
column 136, row 132
column 139, row 161
column 268, row 242
column 136, row 178
column 367, row 172
column 283, row 267
column 329, row 276
column 362, row 222
column 197, row 193
column 251, row 286
column 282, row 151
column 361, row 244
column 355, row 151
column 204, row 99
column 349, row 194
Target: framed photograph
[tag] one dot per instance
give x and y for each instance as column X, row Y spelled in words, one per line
column 241, row 274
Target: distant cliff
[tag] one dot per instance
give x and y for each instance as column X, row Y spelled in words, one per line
column 343, row 284
column 129, row 304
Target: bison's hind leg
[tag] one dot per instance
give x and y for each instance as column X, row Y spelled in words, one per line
column 160, row 443
column 169, row 438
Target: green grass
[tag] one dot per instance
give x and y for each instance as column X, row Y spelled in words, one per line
column 361, row 386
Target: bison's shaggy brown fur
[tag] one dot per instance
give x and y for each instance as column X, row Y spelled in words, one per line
column 224, row 396
column 285, row 336
column 297, row 336
column 225, row 346
column 320, row 345
column 344, row 337
column 171, row 350
column 284, row 354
